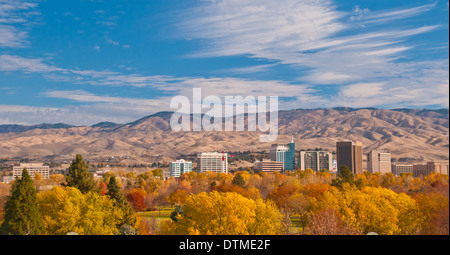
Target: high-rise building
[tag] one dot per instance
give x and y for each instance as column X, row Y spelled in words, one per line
column 284, row 153
column 379, row 162
column 33, row 169
column 213, row 161
column 315, row 160
column 268, row 166
column 350, row 155
column 178, row 167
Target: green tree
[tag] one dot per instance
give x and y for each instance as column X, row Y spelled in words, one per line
column 22, row 215
column 238, row 180
column 79, row 177
column 121, row 202
column 178, row 211
column 158, row 173
column 345, row 175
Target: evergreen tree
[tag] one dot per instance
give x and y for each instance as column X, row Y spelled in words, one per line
column 22, row 215
column 238, row 180
column 345, row 175
column 79, row 177
column 178, row 211
column 121, row 202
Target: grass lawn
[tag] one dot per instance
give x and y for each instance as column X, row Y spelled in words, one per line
column 296, row 225
column 159, row 216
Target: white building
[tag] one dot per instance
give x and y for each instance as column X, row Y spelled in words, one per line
column 33, row 169
column 213, row 161
column 315, row 160
column 379, row 162
column 178, row 167
column 284, row 153
column 278, row 152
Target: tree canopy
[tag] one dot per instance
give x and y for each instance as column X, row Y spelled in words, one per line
column 22, row 216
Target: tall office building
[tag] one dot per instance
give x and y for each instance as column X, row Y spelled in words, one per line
column 315, row 160
column 213, row 162
column 33, row 169
column 379, row 162
column 284, row 153
column 349, row 154
column 178, row 167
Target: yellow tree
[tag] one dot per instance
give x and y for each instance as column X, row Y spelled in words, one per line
column 229, row 213
column 68, row 210
column 376, row 209
column 178, row 197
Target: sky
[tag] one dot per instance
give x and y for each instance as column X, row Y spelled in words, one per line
column 87, row 61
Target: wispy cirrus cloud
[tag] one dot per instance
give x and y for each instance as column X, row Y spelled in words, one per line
column 219, row 86
column 363, row 61
column 124, row 108
column 14, row 14
column 325, row 45
column 365, row 16
column 17, row 63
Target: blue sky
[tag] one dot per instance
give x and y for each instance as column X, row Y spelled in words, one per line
column 83, row 62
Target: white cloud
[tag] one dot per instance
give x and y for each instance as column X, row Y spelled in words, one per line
column 362, row 90
column 248, row 69
column 15, row 13
column 16, row 63
column 366, row 16
column 327, row 46
column 88, row 114
column 260, row 27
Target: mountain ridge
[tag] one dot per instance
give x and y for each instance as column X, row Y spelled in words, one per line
column 17, row 128
column 410, row 134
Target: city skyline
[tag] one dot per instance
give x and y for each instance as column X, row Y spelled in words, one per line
column 83, row 62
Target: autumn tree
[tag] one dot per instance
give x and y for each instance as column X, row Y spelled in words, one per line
column 281, row 194
column 178, row 197
column 329, row 222
column 229, row 213
column 434, row 212
column 79, row 177
column 102, row 187
column 136, row 198
column 69, row 210
column 375, row 209
column 298, row 205
column 22, row 216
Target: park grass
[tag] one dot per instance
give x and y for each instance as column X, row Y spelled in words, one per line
column 163, row 214
column 160, row 216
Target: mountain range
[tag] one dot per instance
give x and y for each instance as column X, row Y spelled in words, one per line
column 412, row 135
